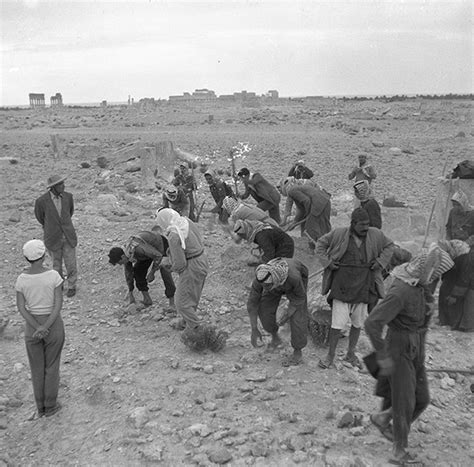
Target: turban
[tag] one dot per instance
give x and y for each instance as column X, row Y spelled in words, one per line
column 359, row 215
column 274, row 273
column 454, row 248
column 362, row 190
column 229, row 204
column 170, row 221
column 462, row 199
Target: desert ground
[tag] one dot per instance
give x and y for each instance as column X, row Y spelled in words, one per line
column 132, row 393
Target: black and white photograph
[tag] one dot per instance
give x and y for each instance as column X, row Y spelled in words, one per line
column 236, row 233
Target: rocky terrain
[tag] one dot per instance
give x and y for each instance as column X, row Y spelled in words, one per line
column 132, row 394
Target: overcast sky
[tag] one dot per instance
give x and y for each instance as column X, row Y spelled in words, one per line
column 95, row 50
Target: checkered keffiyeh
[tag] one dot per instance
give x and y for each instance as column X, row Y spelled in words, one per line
column 274, row 273
column 454, row 248
column 229, row 204
column 362, row 189
column 427, row 266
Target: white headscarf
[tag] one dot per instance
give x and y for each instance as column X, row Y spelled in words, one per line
column 170, row 221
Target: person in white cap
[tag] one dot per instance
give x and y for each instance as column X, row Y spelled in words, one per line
column 39, row 300
column 54, row 211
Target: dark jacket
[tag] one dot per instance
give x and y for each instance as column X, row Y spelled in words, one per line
column 300, row 172
column 274, row 243
column 261, row 190
column 219, row 190
column 55, row 225
column 372, row 208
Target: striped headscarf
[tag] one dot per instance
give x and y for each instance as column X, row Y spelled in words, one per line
column 425, row 267
column 454, row 248
column 170, row 221
column 362, row 190
column 249, row 229
column 273, row 274
column 230, row 204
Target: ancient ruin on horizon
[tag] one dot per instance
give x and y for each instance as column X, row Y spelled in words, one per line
column 208, row 95
column 38, row 100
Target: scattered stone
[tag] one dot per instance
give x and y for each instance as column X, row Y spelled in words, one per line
column 222, row 394
column 209, row 406
column 378, row 144
column 461, row 134
column 307, row 429
column 174, row 364
column 395, row 151
column 300, row 457
column 219, row 455
column 259, row 450
column 3, row 423
column 208, row 369
column 139, row 417
column 257, row 378
column 296, row 443
column 15, row 217
column 447, row 383
column 200, row 429
column 85, row 165
column 330, row 414
column 102, row 162
column 246, row 388
column 18, row 367
column 357, row 430
column 346, row 420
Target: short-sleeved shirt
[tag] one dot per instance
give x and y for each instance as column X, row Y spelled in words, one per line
column 38, row 290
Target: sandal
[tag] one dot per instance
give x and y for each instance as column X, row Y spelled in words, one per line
column 385, row 430
column 353, row 360
column 406, row 459
column 325, row 364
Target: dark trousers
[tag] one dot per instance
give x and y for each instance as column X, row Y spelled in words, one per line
column 273, row 210
column 408, row 382
column 192, row 206
column 298, row 322
column 140, row 270
column 44, row 356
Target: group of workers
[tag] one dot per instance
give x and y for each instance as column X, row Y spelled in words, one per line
column 356, row 260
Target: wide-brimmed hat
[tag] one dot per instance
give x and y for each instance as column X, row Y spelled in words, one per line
column 54, row 180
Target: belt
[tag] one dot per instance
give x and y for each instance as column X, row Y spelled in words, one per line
column 195, row 256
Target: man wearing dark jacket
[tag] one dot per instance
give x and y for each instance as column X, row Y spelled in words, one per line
column 354, row 258
column 219, row 190
column 141, row 251
column 54, row 211
column 271, row 240
column 262, row 191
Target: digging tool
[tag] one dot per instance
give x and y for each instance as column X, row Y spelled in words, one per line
column 294, row 224
column 198, row 215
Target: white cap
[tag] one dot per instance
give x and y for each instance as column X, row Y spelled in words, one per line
column 34, row 249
